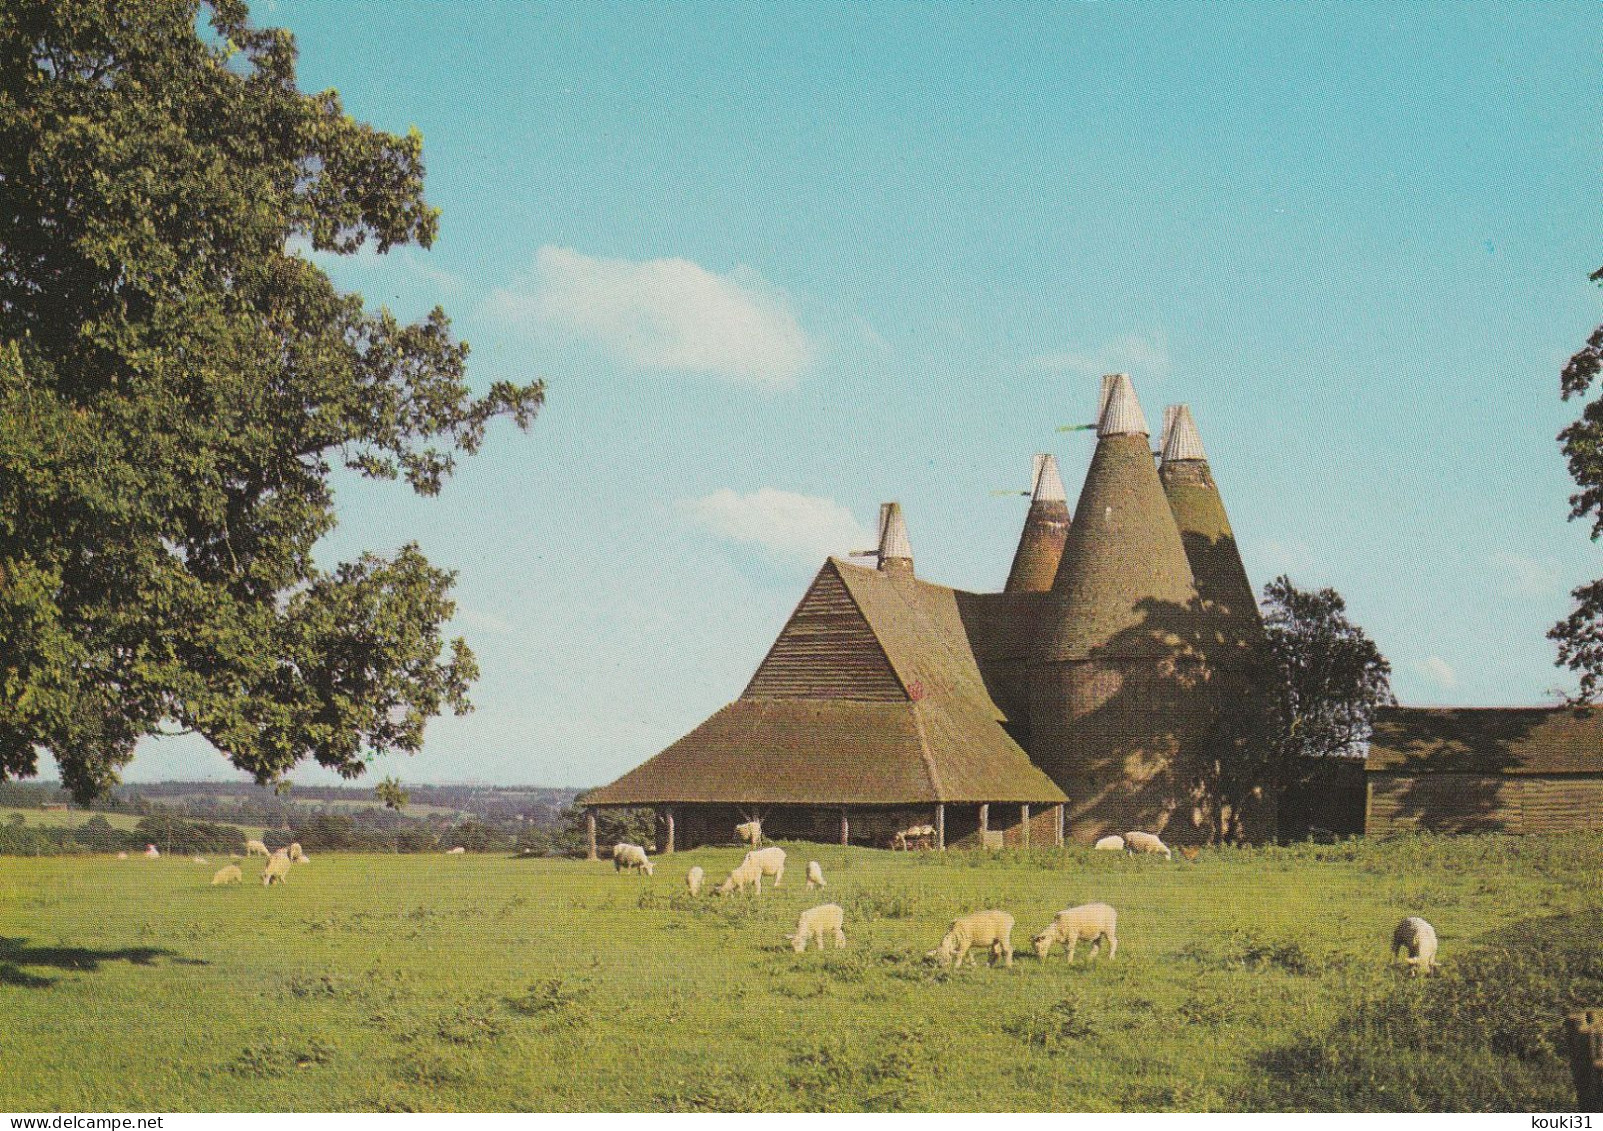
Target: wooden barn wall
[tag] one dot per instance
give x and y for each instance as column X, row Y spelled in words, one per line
column 1458, row 803
column 826, row 651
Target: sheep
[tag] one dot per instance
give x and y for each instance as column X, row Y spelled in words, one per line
column 198, row 859
column 815, row 875
column 905, row 838
column 1114, row 843
column 630, row 856
column 228, row 874
column 295, row 853
column 750, row 833
column 815, row 923
column 151, row 852
column 303, row 859
column 1090, row 922
column 122, row 856
column 277, row 868
column 992, row 930
column 756, row 865
column 1418, row 938
column 457, row 851
column 256, row 848
column 693, row 880
column 1146, row 842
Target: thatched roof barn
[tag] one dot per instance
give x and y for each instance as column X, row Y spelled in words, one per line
column 1485, row 769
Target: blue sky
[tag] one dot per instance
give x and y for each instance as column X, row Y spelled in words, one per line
column 780, row 263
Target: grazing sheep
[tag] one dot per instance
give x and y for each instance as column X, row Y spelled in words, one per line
column 1146, row 842
column 750, row 833
column 151, row 853
column 906, row 838
column 277, row 868
column 756, row 865
column 303, row 859
column 457, row 851
column 256, row 848
column 122, row 856
column 295, row 853
column 815, row 875
column 630, row 856
column 198, row 859
column 815, row 923
column 992, row 930
column 228, row 874
column 693, row 880
column 1114, row 843
column 1418, row 938
column 1090, row 922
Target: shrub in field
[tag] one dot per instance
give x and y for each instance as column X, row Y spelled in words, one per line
column 1486, row 1035
column 1064, row 1023
column 280, row 1057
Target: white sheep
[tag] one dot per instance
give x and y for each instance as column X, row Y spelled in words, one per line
column 295, row 853
column 1418, row 938
column 815, row 875
column 904, row 838
column 228, row 874
column 1146, row 842
column 1094, row 923
column 122, row 856
column 256, row 848
column 815, row 923
column 198, row 859
column 457, row 851
column 303, row 859
column 750, row 833
column 630, row 856
column 992, row 930
column 277, row 868
column 693, row 879
column 151, row 852
column 756, row 865
column 1114, row 843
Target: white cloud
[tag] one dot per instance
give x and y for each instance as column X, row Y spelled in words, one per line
column 1527, row 577
column 800, row 527
column 406, row 266
column 1438, row 671
column 1130, row 353
column 668, row 314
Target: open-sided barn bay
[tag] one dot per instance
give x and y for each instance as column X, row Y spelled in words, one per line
column 1250, row 978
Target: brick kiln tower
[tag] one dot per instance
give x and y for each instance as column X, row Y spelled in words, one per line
column 1035, row 562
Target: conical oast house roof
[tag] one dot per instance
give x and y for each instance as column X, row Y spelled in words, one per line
column 1035, row 562
column 1230, row 606
column 895, row 548
column 1124, row 581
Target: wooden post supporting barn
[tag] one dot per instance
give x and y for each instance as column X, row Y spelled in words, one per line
column 1584, row 1032
column 668, row 819
column 590, row 834
column 940, row 826
column 845, row 829
column 1024, row 811
column 985, row 819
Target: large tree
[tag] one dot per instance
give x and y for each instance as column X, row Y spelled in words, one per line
column 179, row 383
column 1580, row 635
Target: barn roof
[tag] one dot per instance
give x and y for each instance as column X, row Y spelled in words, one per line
column 1486, row 740
column 801, row 735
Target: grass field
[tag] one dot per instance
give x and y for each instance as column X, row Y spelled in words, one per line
column 1252, row 979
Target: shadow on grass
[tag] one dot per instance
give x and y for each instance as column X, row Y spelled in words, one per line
column 15, row 953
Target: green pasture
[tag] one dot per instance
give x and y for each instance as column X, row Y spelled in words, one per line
column 1249, row 979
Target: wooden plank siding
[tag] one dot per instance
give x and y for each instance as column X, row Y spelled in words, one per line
column 827, row 651
column 1459, row 803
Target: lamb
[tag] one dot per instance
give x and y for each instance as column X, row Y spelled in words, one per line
column 992, row 930
column 756, row 865
column 256, row 848
column 1418, row 938
column 122, row 856
column 1114, row 843
column 228, row 874
column 277, row 868
column 815, row 923
column 630, row 856
column 1146, row 842
column 693, row 880
column 815, row 875
column 295, row 853
column 750, row 833
column 1090, row 922
column 457, row 851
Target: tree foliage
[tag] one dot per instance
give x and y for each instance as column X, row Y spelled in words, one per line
column 1580, row 635
column 1325, row 676
column 178, row 384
